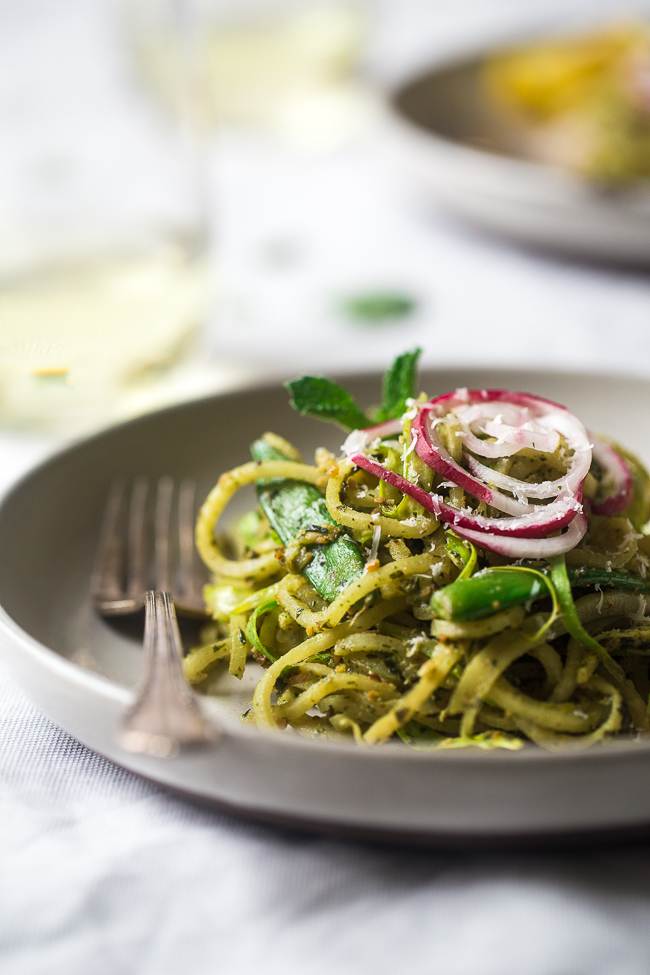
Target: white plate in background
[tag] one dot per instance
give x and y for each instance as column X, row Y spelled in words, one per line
column 439, row 117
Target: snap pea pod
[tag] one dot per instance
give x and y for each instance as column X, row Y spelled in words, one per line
column 587, row 577
column 293, row 507
column 492, row 590
column 485, row 593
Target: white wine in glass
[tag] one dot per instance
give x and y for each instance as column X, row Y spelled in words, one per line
column 103, row 243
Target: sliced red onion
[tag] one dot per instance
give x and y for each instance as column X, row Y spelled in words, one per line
column 515, row 421
column 478, row 413
column 559, row 420
column 577, row 439
column 539, row 521
column 360, row 439
column 617, row 470
column 529, row 548
column 431, row 451
column 385, row 429
column 487, row 448
column 521, row 489
column 510, row 440
column 527, row 434
column 463, row 397
column 513, row 427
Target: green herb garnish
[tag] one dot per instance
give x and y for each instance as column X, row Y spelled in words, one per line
column 398, row 385
column 326, row 400
column 378, row 306
column 322, row 398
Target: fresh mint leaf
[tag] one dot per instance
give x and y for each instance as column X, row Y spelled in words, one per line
column 399, row 385
column 378, row 306
column 326, row 400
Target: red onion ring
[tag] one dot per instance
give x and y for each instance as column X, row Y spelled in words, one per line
column 430, row 450
column 485, row 448
column 524, row 548
column 577, row 438
column 385, row 429
column 433, row 454
column 466, row 396
column 542, row 520
column 523, row 489
column 526, row 435
column 618, row 471
column 516, row 420
column 500, row 420
column 360, row 439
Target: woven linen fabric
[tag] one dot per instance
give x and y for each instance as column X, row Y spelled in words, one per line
column 103, row 873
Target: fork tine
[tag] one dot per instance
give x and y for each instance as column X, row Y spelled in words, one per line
column 138, row 548
column 162, row 527
column 107, row 575
column 137, row 582
column 186, row 495
column 165, row 714
column 189, row 582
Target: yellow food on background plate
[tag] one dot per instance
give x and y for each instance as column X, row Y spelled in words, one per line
column 581, row 102
column 469, row 570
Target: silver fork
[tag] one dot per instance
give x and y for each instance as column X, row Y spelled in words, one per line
column 136, row 552
column 142, row 561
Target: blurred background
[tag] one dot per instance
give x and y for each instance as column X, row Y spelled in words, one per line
column 199, row 194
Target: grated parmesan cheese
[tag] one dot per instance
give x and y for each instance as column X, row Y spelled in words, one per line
column 376, row 539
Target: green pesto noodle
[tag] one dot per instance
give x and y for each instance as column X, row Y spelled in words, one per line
column 566, row 666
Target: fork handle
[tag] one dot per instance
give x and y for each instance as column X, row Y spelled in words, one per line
column 165, row 715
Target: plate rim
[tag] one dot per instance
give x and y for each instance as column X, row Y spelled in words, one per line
column 519, row 167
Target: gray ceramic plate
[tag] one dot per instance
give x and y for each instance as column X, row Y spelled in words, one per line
column 461, row 151
column 80, row 670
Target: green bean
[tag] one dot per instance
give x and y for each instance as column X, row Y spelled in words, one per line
column 493, row 590
column 485, row 593
column 596, row 578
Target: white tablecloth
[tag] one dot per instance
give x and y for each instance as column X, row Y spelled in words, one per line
column 103, row 873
